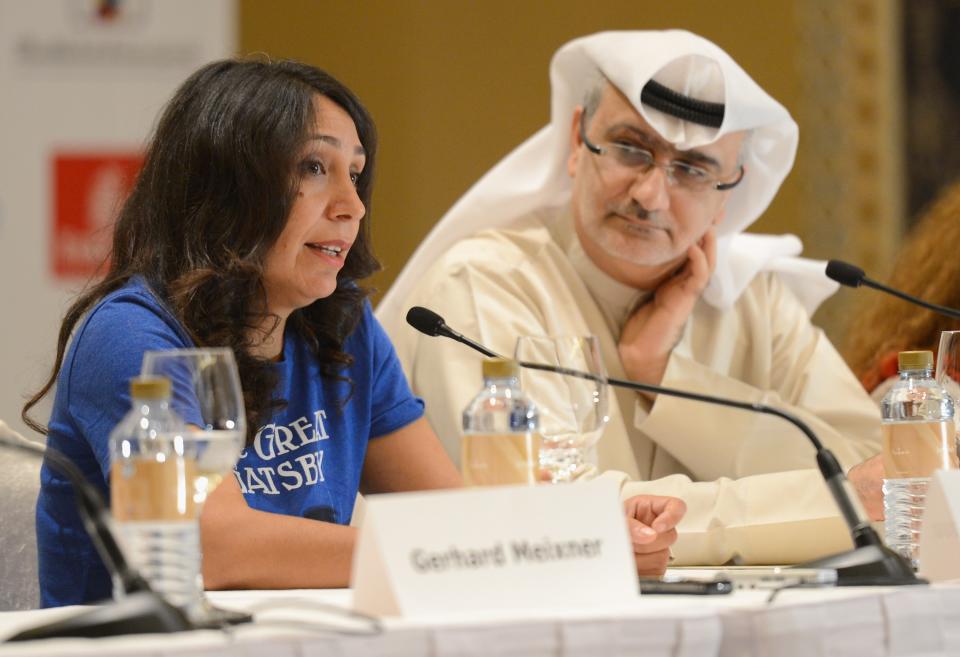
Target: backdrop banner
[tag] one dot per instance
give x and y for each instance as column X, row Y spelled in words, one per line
column 82, row 84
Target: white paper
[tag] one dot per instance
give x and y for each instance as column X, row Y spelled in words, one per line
column 939, row 553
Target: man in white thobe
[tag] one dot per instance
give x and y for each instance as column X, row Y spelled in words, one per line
column 623, row 218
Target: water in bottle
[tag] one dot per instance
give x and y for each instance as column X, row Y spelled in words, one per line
column 918, row 438
column 152, row 477
column 500, row 442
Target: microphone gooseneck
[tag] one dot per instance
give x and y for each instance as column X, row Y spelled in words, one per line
column 852, row 276
column 682, row 394
column 870, row 563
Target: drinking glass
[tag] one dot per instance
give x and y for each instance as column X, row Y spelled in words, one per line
column 948, row 369
column 573, row 409
column 207, row 396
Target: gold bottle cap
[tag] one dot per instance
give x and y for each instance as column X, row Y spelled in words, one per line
column 915, row 360
column 150, row 387
column 500, row 368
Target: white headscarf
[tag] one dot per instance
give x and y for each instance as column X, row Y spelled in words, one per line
column 534, row 175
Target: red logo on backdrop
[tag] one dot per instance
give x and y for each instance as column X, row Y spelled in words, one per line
column 89, row 189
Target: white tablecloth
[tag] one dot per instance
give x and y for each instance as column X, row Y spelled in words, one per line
column 906, row 622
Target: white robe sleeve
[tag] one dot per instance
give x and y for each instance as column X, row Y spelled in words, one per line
column 803, row 375
column 778, row 518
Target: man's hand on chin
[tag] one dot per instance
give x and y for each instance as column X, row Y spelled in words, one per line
column 650, row 335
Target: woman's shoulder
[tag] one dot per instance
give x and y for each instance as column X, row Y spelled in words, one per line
column 881, row 375
column 132, row 295
column 132, row 312
column 108, row 346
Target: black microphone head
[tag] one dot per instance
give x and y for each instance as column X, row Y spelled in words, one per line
column 425, row 320
column 845, row 273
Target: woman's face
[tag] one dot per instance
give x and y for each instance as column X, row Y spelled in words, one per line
column 303, row 264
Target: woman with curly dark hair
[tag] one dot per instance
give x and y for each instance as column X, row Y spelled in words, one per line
column 248, row 227
column 926, row 268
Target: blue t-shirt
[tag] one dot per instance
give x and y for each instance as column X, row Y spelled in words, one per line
column 306, row 461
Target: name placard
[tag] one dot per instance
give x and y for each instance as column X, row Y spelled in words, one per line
column 519, row 547
column 940, row 531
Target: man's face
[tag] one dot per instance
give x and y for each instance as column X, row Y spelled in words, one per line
column 639, row 226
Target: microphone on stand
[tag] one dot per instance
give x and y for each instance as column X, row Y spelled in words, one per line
column 870, row 563
column 141, row 610
column 428, row 322
column 852, row 276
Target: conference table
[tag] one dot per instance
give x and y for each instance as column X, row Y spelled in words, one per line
column 916, row 621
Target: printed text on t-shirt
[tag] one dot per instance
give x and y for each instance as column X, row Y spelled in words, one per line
column 275, row 441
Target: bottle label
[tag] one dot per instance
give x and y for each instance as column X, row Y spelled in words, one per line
column 917, row 449
column 500, row 459
column 147, row 489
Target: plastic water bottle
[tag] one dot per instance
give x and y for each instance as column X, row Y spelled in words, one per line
column 500, row 443
column 151, row 496
column 918, row 438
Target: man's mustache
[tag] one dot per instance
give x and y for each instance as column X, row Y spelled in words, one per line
column 637, row 212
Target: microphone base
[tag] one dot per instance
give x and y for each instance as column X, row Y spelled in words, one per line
column 137, row 613
column 869, row 565
column 216, row 618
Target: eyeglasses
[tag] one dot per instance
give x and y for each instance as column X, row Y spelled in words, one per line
column 633, row 161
